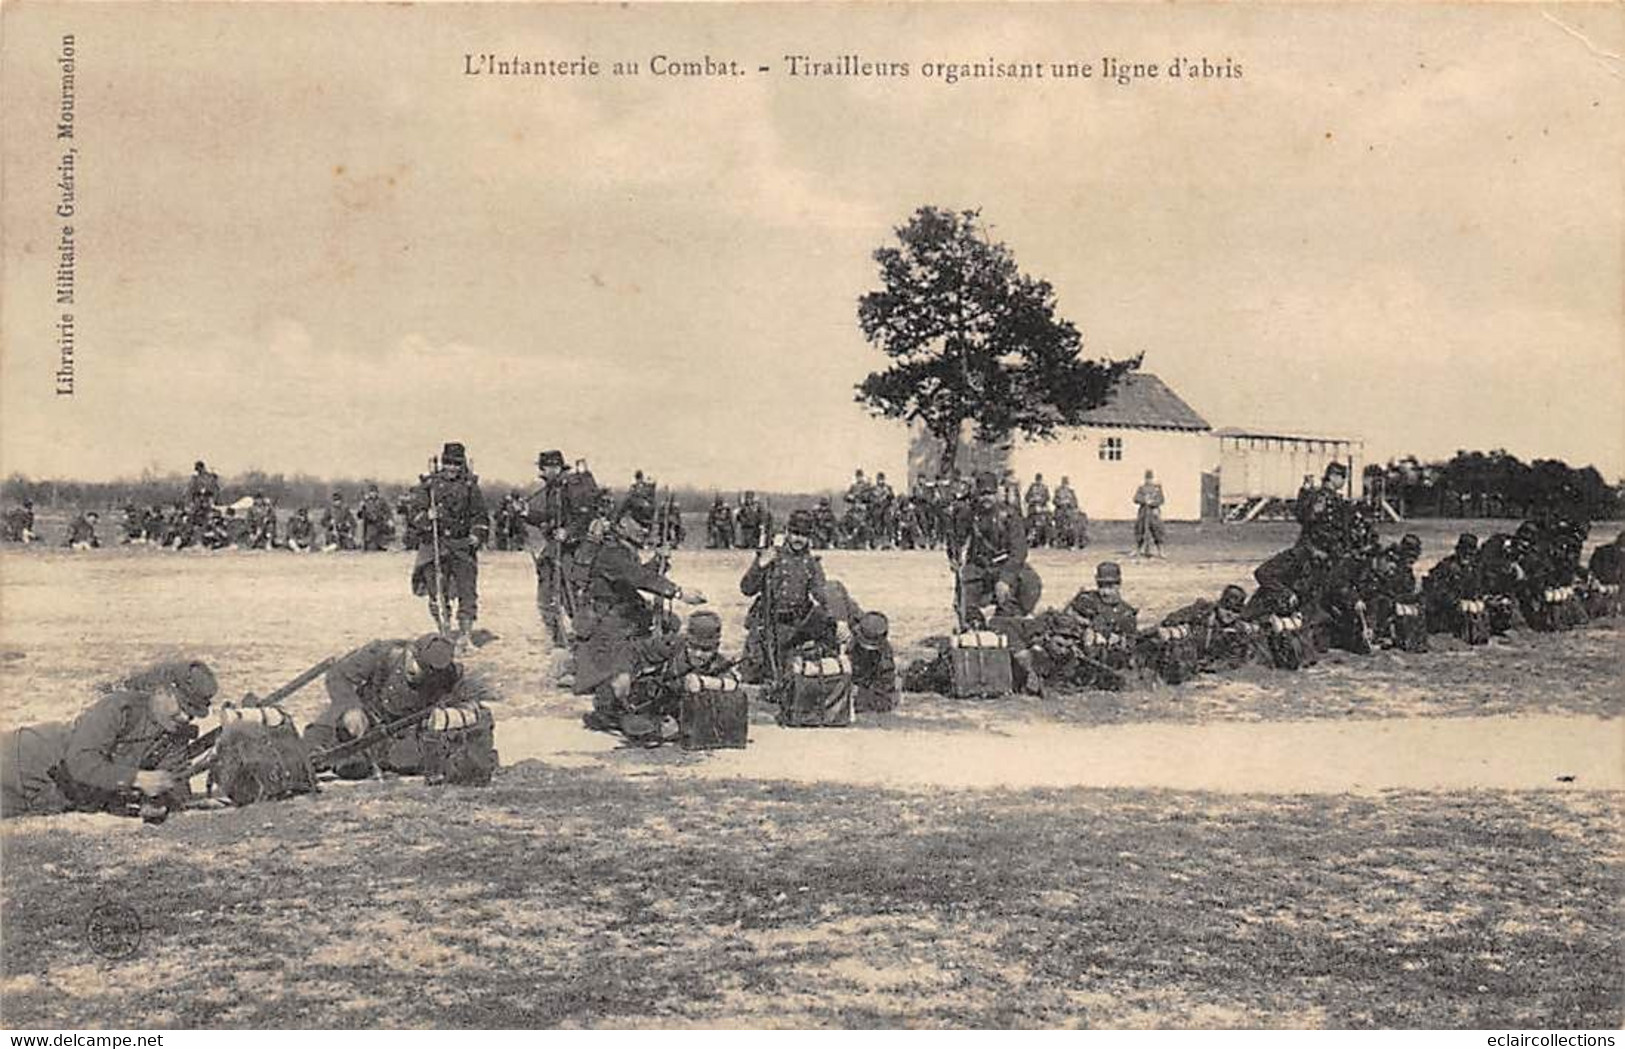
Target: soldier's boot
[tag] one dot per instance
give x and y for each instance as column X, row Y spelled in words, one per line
column 465, row 634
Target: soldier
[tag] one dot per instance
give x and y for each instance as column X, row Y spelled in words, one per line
column 642, row 498
column 82, row 532
column 1324, row 525
column 202, row 492
column 719, row 526
column 1071, row 526
column 19, row 523
column 1604, row 570
column 748, row 521
column 1040, row 521
column 854, row 534
column 857, row 493
column 911, row 534
column 1395, row 607
column 1455, row 579
column 338, row 525
column 825, row 528
column 563, row 509
column 1113, row 621
column 1148, row 531
column 377, row 522
column 516, row 534
column 1222, row 635
column 134, row 525
column 448, row 510
column 989, row 543
column 874, row 665
column 790, row 606
column 261, row 523
column 613, row 612
column 378, row 684
column 644, row 699
column 882, row 513
column 115, row 753
column 301, row 531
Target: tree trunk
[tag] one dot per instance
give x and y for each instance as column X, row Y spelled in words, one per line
column 947, row 466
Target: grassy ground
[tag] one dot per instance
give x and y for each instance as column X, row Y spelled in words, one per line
column 616, row 894
column 572, row 898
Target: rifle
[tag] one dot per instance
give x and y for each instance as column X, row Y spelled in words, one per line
column 957, row 566
column 440, row 610
column 330, row 756
column 770, row 632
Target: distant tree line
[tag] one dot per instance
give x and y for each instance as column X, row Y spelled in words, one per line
column 291, row 492
column 1493, row 484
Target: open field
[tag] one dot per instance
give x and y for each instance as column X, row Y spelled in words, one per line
column 1428, row 840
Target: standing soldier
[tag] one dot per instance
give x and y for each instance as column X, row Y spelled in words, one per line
column 301, row 531
column 748, row 520
column 857, row 493
column 452, row 523
column 338, row 525
column 882, row 513
column 1040, row 523
column 1071, row 527
column 1148, row 534
column 791, row 600
column 988, row 542
column 562, row 509
column 614, row 614
column 642, row 496
column 377, row 523
column 719, row 526
column 202, row 491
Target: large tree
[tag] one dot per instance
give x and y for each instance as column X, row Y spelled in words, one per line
column 972, row 338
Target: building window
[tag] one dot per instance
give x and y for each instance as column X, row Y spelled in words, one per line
column 1111, row 449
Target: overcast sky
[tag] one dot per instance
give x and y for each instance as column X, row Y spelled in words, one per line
column 309, row 243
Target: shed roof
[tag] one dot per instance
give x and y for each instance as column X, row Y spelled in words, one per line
column 1144, row 401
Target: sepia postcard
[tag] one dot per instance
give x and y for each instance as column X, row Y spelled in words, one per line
column 812, row 515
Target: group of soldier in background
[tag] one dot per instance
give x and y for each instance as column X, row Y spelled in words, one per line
column 1337, row 587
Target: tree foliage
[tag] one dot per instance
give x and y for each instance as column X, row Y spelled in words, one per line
column 973, row 339
column 1494, row 484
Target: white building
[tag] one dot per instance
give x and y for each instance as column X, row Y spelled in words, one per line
column 1145, row 426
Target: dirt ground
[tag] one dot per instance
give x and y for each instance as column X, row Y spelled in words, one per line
column 1428, row 840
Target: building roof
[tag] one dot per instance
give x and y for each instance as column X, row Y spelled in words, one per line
column 1282, row 435
column 1144, row 401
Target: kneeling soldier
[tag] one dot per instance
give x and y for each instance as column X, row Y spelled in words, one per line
column 117, row 755
column 644, row 698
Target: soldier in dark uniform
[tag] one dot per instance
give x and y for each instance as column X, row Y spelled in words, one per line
column 377, row 522
column 882, row 513
column 989, row 543
column 115, row 753
column 1225, row 639
column 825, row 527
column 562, row 509
column 613, row 612
column 910, row 527
column 82, row 532
column 1040, row 521
column 19, row 523
column 1395, row 606
column 1148, row 530
column 375, row 685
column 642, row 498
column 134, row 532
column 449, row 512
column 1324, row 524
column 1071, row 524
column 748, row 522
column 261, row 523
column 875, row 686
column 338, row 525
column 1113, row 621
column 719, row 526
column 790, row 605
column 857, row 493
column 644, row 699
column 1603, row 573
column 1454, row 579
column 202, row 492
column 301, row 531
